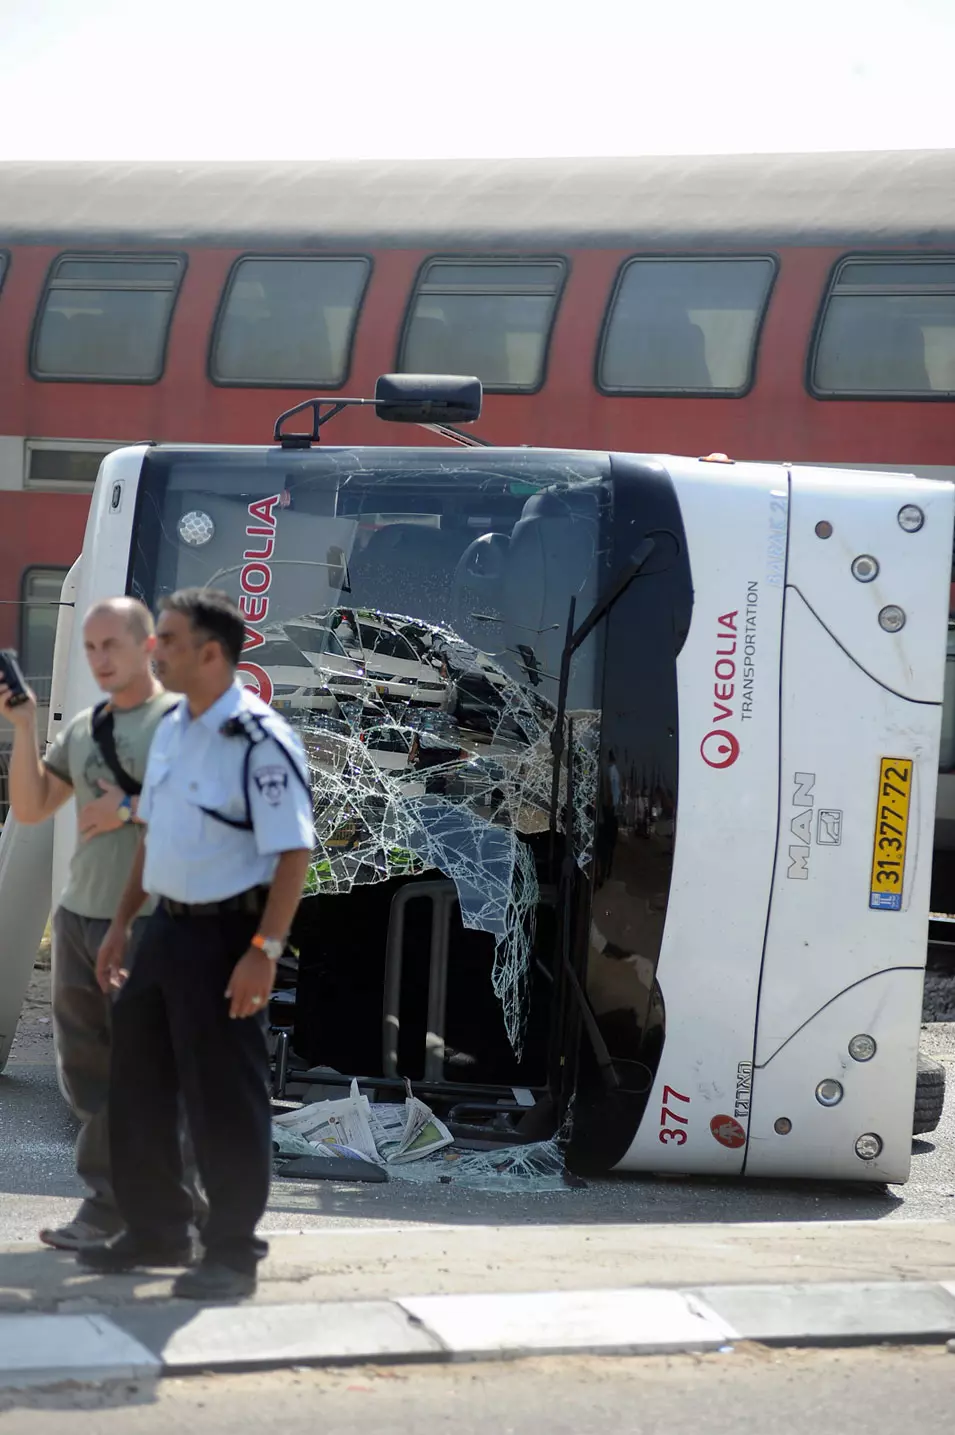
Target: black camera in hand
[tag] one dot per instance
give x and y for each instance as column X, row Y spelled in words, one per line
column 11, row 676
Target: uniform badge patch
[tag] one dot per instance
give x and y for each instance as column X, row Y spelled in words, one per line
column 272, row 783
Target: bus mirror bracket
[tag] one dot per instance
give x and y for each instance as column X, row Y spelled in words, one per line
column 434, row 401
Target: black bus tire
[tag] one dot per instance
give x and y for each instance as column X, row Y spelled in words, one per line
column 929, row 1095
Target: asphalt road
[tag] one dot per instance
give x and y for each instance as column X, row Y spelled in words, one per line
column 38, row 1185
column 750, row 1392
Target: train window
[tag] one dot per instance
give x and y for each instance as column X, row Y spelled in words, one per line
column 106, row 318
column 491, row 318
column 286, row 322
column 40, row 595
column 64, row 464
column 888, row 328
column 684, row 326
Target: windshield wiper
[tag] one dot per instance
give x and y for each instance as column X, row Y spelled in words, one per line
column 575, row 637
column 568, row 877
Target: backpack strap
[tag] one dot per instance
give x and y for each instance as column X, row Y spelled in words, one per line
column 101, row 727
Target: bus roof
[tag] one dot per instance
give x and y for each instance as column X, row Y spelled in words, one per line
column 882, row 197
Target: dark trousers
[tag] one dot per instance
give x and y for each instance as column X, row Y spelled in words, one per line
column 82, row 1023
column 172, row 1033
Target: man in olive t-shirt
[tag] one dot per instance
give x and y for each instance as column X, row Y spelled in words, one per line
column 99, row 868
column 119, row 639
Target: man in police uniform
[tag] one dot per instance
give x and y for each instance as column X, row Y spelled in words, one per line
column 228, row 816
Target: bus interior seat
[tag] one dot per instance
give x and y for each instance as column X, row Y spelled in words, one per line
column 408, row 568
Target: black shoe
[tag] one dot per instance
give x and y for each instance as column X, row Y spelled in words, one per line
column 127, row 1252
column 212, row 1281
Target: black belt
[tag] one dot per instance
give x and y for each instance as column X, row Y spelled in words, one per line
column 251, row 902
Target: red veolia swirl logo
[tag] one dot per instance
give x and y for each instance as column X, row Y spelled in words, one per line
column 720, row 746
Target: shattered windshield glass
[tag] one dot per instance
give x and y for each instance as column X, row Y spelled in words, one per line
column 406, row 611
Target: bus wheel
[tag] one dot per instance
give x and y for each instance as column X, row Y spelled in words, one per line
column 929, row 1095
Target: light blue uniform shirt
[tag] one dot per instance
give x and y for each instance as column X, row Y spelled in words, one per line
column 192, row 857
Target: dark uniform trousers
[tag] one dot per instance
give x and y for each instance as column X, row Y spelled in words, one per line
column 172, row 1033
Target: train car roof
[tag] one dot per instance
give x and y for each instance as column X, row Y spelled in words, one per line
column 899, row 197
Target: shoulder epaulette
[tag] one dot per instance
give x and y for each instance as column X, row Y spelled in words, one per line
column 254, row 729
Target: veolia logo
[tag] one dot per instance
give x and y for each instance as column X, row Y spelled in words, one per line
column 255, row 582
column 720, row 747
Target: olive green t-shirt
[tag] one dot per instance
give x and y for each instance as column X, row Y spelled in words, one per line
column 100, row 865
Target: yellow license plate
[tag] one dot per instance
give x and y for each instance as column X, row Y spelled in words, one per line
column 891, row 833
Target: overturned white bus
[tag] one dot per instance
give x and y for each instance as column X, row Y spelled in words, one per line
column 624, row 771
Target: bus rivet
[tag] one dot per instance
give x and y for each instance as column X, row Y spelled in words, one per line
column 829, row 1092
column 862, row 1047
column 869, row 1146
column 892, row 619
column 782, row 1126
column 911, row 518
column 865, row 568
column 823, row 529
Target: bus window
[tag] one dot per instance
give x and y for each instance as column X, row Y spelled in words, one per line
column 685, row 326
column 491, row 319
column 106, row 318
column 288, row 322
column 888, row 327
column 41, row 596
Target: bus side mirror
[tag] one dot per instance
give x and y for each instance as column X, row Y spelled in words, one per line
column 428, row 399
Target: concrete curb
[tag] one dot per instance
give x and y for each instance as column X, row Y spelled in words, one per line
column 176, row 1338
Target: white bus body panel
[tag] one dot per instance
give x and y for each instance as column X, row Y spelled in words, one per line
column 34, row 860
column 26, row 855
column 102, row 574
column 835, row 966
column 772, row 958
column 735, row 517
column 26, row 859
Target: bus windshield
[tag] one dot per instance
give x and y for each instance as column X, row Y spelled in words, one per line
column 406, row 611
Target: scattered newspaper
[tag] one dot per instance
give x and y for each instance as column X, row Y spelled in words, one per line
column 384, row 1133
column 406, row 1133
column 286, row 1145
column 344, row 1125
